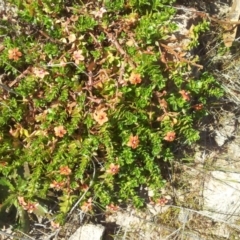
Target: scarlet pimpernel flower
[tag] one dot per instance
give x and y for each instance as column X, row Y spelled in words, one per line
column 135, row 78
column 60, row 131
column 14, row 54
column 161, row 202
column 113, row 169
column 77, row 56
column 57, row 185
column 87, row 206
column 185, row 95
column 170, row 136
column 133, row 142
column 112, row 208
column 198, row 106
column 40, row 72
column 55, row 225
column 100, row 116
column 31, row 207
column 65, row 170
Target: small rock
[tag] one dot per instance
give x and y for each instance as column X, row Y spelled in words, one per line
column 88, row 232
column 184, row 216
column 234, row 151
column 221, row 196
column 227, row 128
column 219, row 138
column 221, row 230
column 156, row 209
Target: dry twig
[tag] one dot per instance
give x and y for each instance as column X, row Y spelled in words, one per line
column 181, row 59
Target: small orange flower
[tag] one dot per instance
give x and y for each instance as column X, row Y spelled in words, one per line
column 77, row 56
column 161, row 202
column 198, row 107
column 185, row 95
column 60, row 131
column 31, row 207
column 113, row 169
column 135, row 78
column 170, row 136
column 14, row 54
column 57, row 185
column 55, row 225
column 100, row 116
column 133, row 142
column 40, row 72
column 87, row 206
column 112, row 208
column 65, row 170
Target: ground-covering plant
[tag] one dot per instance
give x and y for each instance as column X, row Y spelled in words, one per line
column 92, row 103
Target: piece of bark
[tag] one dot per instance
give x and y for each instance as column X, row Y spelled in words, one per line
column 231, row 30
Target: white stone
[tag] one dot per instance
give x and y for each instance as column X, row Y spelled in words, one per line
column 234, row 151
column 221, row 196
column 219, row 138
column 126, row 219
column 88, row 232
column 157, row 209
column 184, row 216
column 221, row 230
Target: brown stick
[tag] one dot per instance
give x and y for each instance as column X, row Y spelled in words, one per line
column 181, row 59
column 119, row 48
